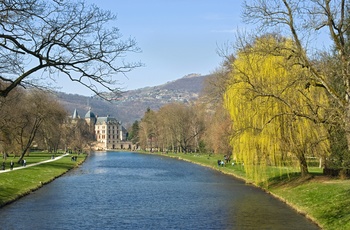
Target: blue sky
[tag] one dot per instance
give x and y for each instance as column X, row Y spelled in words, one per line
column 177, row 37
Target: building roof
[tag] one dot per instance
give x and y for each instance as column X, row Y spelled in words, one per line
column 90, row 114
column 75, row 114
column 107, row 120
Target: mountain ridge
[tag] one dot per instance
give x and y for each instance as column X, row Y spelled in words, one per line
column 132, row 104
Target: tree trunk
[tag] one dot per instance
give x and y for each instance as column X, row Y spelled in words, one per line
column 347, row 124
column 30, row 140
column 346, row 154
column 24, row 151
column 303, row 165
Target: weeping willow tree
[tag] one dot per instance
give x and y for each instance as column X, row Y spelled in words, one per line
column 277, row 120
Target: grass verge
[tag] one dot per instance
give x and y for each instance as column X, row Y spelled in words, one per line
column 324, row 200
column 18, row 183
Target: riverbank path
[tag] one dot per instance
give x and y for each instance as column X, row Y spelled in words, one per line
column 34, row 164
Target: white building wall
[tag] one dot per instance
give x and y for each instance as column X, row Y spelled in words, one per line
column 109, row 132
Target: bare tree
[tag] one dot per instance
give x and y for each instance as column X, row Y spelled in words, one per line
column 51, row 131
column 177, row 127
column 215, row 85
column 148, row 131
column 184, row 124
column 34, row 109
column 80, row 136
column 9, row 107
column 218, row 123
column 44, row 39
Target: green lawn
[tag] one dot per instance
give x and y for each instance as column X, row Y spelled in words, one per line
column 325, row 200
column 17, row 183
column 33, row 157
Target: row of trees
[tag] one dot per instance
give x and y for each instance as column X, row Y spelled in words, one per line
column 41, row 40
column 35, row 119
column 174, row 127
column 286, row 100
column 182, row 128
column 203, row 126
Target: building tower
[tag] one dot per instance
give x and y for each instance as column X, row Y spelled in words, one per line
column 90, row 119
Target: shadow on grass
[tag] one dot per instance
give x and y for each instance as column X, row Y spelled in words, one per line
column 294, row 179
column 8, row 195
column 56, row 165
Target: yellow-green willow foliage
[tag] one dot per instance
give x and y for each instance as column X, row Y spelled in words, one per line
column 276, row 119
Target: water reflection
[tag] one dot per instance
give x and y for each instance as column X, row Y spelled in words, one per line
column 121, row 190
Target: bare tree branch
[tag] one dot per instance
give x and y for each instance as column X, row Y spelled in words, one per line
column 66, row 37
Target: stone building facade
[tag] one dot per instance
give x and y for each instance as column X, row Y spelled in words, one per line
column 108, row 131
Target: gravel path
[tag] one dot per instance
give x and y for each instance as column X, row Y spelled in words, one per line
column 31, row 165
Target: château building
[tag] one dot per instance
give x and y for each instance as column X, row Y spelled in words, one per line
column 108, row 131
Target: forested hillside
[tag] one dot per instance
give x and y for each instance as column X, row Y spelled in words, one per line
column 132, row 104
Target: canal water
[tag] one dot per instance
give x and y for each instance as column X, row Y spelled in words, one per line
column 124, row 190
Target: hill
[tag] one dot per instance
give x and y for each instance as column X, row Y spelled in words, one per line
column 132, row 104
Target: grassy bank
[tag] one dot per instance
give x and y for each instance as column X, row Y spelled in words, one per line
column 324, row 200
column 17, row 183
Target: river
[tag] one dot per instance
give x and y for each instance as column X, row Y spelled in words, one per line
column 124, row 190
